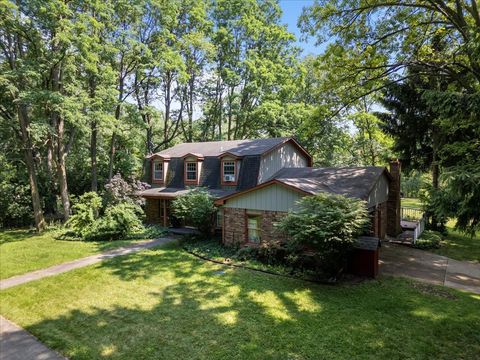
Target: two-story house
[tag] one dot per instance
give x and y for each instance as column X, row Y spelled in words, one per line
column 255, row 182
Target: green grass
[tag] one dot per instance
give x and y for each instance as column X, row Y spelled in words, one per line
column 167, row 304
column 455, row 245
column 22, row 251
column 459, row 246
column 412, row 203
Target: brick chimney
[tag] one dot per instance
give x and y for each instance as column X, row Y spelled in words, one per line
column 393, row 203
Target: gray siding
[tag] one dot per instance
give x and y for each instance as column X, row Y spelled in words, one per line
column 285, row 156
column 379, row 193
column 273, row 198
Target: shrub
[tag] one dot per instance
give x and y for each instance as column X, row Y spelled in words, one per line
column 118, row 190
column 328, row 225
column 85, row 212
column 428, row 240
column 196, row 208
column 247, row 253
column 118, row 222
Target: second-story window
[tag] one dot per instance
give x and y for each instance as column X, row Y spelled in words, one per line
column 191, row 169
column 158, row 170
column 229, row 171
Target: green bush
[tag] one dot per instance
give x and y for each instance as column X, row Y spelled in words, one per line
column 428, row 240
column 85, row 213
column 328, row 225
column 247, row 253
column 118, row 222
column 196, row 208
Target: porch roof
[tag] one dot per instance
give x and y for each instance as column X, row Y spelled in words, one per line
column 172, row 193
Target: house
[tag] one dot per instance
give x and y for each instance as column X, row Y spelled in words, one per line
column 256, row 182
column 223, row 167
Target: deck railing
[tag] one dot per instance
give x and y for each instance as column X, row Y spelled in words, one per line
column 419, row 229
column 411, row 214
column 416, row 216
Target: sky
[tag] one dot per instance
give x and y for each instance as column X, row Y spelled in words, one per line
column 292, row 9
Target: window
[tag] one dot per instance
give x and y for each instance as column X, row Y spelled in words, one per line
column 158, row 170
column 229, row 171
column 219, row 217
column 253, row 228
column 191, row 169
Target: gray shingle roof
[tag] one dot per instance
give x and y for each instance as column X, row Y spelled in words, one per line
column 349, row 181
column 216, row 148
column 171, row 193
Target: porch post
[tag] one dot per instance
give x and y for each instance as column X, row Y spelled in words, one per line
column 164, row 213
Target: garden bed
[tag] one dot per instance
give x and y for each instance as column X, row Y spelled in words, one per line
column 213, row 250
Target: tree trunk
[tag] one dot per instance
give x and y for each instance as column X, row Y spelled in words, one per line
column 51, row 202
column 190, row 109
column 93, row 155
column 61, row 167
column 32, row 175
column 111, row 155
column 168, row 99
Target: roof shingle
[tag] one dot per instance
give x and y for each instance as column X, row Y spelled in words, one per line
column 216, row 148
column 349, row 181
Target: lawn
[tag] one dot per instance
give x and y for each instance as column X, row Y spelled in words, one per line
column 411, row 203
column 22, row 251
column 455, row 245
column 459, row 246
column 167, row 304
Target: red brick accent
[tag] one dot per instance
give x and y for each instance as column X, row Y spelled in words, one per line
column 393, row 203
column 235, row 225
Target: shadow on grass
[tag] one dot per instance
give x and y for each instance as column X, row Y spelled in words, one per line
column 8, row 236
column 165, row 304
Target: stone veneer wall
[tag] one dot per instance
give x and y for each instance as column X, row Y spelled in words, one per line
column 152, row 211
column 235, row 226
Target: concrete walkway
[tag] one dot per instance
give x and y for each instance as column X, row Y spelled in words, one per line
column 79, row 263
column 430, row 268
column 18, row 344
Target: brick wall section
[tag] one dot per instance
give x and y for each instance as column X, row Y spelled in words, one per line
column 152, row 211
column 269, row 232
column 393, row 203
column 235, row 226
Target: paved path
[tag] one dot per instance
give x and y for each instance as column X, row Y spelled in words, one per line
column 18, row 344
column 75, row 264
column 428, row 267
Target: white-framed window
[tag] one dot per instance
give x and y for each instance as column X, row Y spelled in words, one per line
column 191, row 171
column 229, row 171
column 253, row 228
column 158, row 170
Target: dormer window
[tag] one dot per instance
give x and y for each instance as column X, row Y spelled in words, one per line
column 191, row 171
column 230, row 165
column 192, row 168
column 229, row 171
column 158, row 170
